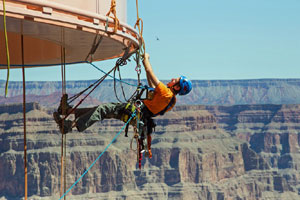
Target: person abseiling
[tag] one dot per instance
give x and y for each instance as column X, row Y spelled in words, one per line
column 162, row 101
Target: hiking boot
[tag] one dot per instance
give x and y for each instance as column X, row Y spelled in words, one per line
column 63, row 105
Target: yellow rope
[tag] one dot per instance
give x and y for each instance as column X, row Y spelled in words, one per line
column 138, row 19
column 140, row 27
column 6, row 45
column 114, row 12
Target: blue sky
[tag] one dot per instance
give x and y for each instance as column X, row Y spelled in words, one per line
column 207, row 39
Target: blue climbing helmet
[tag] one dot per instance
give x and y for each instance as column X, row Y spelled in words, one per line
column 185, row 85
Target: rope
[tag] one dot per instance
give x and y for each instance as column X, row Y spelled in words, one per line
column 71, row 99
column 122, row 88
column 115, row 79
column 96, row 43
column 142, row 48
column 110, row 75
column 24, row 116
column 140, row 27
column 120, row 61
column 139, row 140
column 6, row 46
column 61, row 164
column 115, row 86
column 95, row 85
column 63, row 136
column 137, row 23
column 114, row 12
column 139, row 86
column 138, row 66
column 132, row 116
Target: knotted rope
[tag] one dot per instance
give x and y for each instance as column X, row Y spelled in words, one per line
column 114, row 12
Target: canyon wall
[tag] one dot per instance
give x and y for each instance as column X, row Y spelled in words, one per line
column 205, row 92
column 199, row 152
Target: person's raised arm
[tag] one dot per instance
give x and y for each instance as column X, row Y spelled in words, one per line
column 151, row 77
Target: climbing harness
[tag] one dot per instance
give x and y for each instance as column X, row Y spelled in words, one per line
column 144, row 123
column 143, row 126
column 142, row 130
column 129, row 109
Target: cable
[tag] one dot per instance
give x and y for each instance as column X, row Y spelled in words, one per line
column 24, row 116
column 63, row 137
column 132, row 116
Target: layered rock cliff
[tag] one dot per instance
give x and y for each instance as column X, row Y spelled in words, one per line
column 199, row 152
column 214, row 92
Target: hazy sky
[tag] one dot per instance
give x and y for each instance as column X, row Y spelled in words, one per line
column 207, row 39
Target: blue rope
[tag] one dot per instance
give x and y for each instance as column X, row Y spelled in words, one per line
column 132, row 116
column 111, row 75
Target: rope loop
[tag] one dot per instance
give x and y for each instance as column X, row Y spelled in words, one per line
column 137, row 24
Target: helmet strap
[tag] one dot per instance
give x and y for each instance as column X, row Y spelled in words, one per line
column 174, row 90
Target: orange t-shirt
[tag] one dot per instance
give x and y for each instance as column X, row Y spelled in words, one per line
column 161, row 99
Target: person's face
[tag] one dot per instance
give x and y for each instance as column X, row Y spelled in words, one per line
column 174, row 82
